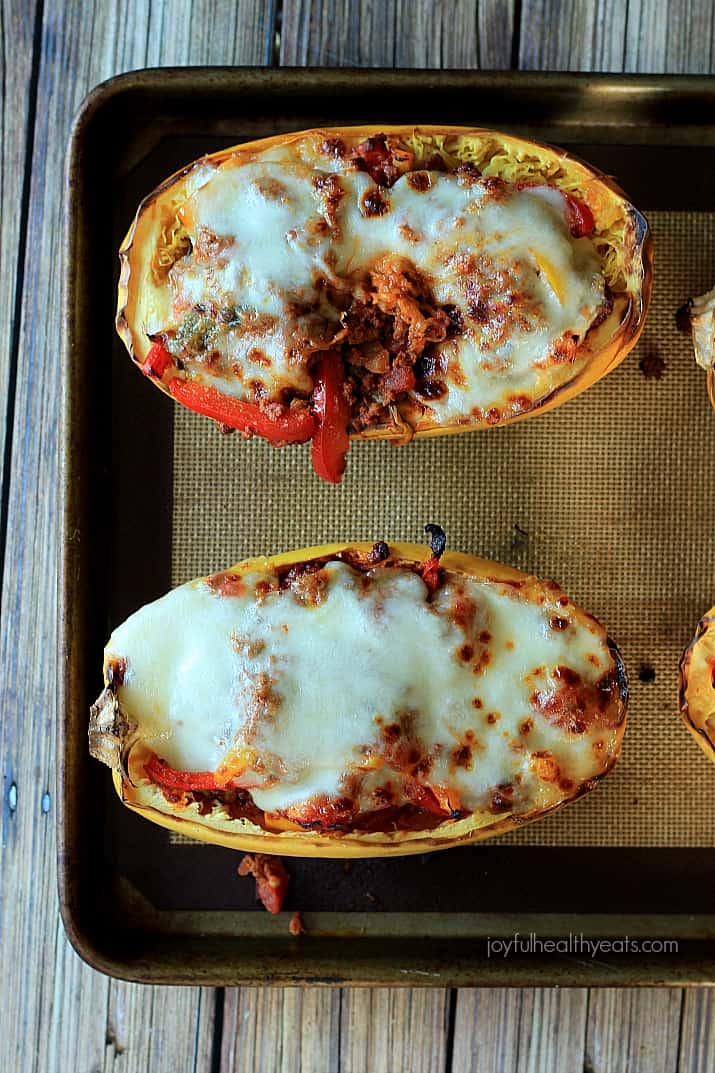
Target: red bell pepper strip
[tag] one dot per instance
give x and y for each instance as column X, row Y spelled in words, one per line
column 332, row 410
column 164, row 775
column 292, row 426
column 424, row 797
column 431, row 573
column 579, row 218
column 157, row 361
column 430, row 570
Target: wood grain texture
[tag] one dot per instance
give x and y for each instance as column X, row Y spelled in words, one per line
column 587, row 35
column 519, row 1031
column 606, row 35
column 398, row 33
column 680, row 40
column 157, row 1028
column 281, row 1030
column 17, row 22
column 388, row 1029
column 59, row 1015
column 696, row 1047
column 633, row 1031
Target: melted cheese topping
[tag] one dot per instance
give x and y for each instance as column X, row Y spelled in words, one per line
column 357, row 685
column 284, row 244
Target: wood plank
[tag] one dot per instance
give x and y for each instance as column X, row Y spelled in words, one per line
column 158, row 1028
column 635, row 1030
column 586, row 35
column 388, row 1029
column 17, row 25
column 59, row 1014
column 383, row 1029
column 696, row 1047
column 281, row 1030
column 378, row 1029
column 684, row 44
column 627, row 1030
column 398, row 33
column 519, row 1031
column 606, row 35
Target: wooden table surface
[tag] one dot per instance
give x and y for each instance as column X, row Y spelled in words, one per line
column 56, row 1013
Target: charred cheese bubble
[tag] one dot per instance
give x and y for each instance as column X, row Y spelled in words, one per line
column 456, row 279
column 341, row 702
column 697, row 685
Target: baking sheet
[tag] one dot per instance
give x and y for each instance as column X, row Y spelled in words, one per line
column 631, row 460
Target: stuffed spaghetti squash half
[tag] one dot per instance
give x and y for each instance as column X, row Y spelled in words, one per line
column 697, row 685
column 381, row 282
column 358, row 700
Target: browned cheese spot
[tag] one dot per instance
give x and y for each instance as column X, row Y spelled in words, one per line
column 501, row 798
column 333, row 147
column 309, row 587
column 432, row 389
column 419, row 180
column 331, row 192
column 262, row 702
column 258, row 389
column 564, row 349
column 409, row 234
column 271, row 189
column 519, row 404
column 208, row 246
column 257, row 357
column 483, row 661
column 263, row 590
column 456, row 373
column 317, row 230
column 460, row 757
column 226, row 584
column 247, row 648
column 545, row 766
column 212, row 358
column 391, row 733
column 374, row 203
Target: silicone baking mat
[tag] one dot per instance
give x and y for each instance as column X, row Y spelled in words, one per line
column 613, row 495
